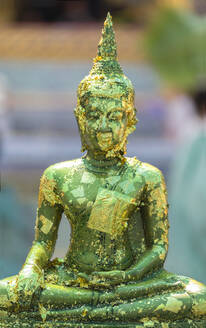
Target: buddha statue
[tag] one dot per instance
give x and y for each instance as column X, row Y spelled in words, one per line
column 112, row 274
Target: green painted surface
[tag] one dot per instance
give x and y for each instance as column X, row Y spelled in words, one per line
column 112, row 274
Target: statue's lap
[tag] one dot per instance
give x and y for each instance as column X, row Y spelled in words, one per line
column 166, row 300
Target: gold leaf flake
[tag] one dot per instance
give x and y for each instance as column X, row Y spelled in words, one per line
column 127, row 186
column 46, row 224
column 81, row 200
column 110, row 212
column 4, row 301
column 78, row 192
column 88, row 177
column 173, row 305
column 46, row 191
column 113, row 180
column 43, row 312
column 84, row 312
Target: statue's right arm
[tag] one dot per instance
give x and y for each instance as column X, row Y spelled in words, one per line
column 31, row 276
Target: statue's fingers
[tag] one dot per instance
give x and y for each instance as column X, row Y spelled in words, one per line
column 29, row 289
column 109, row 276
column 22, row 285
column 99, row 283
column 119, row 275
column 25, row 292
column 20, row 289
column 23, row 300
column 84, row 276
column 100, row 275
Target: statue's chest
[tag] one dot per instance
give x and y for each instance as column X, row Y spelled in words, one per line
column 88, row 193
column 80, row 191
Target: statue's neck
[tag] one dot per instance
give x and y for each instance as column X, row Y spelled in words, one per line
column 101, row 162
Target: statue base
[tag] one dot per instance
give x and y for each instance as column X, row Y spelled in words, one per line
column 14, row 322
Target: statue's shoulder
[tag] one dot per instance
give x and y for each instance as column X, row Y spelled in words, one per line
column 147, row 172
column 62, row 169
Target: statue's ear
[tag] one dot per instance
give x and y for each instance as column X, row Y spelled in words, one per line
column 81, row 120
column 131, row 119
column 80, row 117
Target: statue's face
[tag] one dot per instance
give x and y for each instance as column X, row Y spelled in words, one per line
column 106, row 123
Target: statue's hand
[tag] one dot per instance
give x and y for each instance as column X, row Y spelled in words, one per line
column 104, row 278
column 29, row 281
column 109, row 278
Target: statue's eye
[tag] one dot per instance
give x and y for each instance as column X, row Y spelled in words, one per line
column 93, row 116
column 117, row 116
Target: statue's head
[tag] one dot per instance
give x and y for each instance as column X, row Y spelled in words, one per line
column 105, row 101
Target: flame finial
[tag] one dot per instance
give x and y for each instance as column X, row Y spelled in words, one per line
column 107, row 48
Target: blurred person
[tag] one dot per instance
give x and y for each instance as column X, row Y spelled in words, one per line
column 188, row 193
column 180, row 108
column 174, row 43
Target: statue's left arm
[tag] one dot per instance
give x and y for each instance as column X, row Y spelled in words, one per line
column 154, row 214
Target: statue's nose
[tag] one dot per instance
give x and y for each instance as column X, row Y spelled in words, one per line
column 103, row 126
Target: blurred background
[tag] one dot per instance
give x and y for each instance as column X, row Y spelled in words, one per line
column 46, row 48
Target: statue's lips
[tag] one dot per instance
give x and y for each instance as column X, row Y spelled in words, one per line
column 104, row 135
